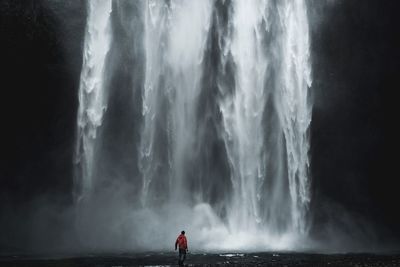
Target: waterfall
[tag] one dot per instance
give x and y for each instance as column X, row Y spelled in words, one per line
column 270, row 54
column 242, row 112
column 176, row 33
column 92, row 93
column 294, row 108
column 222, row 125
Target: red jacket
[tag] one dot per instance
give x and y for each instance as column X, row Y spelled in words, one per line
column 181, row 241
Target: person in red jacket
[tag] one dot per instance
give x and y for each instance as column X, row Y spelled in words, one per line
column 181, row 242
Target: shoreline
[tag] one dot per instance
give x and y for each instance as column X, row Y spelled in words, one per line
column 204, row 259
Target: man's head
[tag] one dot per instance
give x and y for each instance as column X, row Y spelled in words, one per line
column 183, row 232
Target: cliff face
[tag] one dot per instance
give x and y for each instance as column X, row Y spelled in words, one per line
column 354, row 64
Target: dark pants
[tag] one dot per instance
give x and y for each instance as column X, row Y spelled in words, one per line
column 182, row 256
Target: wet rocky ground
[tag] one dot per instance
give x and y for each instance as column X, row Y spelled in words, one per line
column 202, row 259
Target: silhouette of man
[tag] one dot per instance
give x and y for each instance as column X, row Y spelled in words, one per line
column 181, row 242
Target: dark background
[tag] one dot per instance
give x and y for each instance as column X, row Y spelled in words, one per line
column 355, row 69
column 353, row 141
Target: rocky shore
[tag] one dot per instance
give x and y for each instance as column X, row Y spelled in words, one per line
column 204, row 259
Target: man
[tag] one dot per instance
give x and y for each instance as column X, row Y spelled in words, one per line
column 182, row 243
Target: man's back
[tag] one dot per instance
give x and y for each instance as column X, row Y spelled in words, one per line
column 181, row 241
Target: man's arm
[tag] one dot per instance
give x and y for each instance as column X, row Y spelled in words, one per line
column 186, row 243
column 176, row 243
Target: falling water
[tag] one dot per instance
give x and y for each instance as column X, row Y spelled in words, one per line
column 271, row 58
column 243, row 111
column 173, row 72
column 225, row 114
column 92, row 94
column 295, row 110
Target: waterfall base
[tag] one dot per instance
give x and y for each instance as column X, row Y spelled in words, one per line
column 156, row 229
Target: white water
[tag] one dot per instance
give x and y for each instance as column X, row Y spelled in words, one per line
column 242, row 114
column 295, row 110
column 262, row 78
column 175, row 36
column 286, row 61
column 92, row 93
